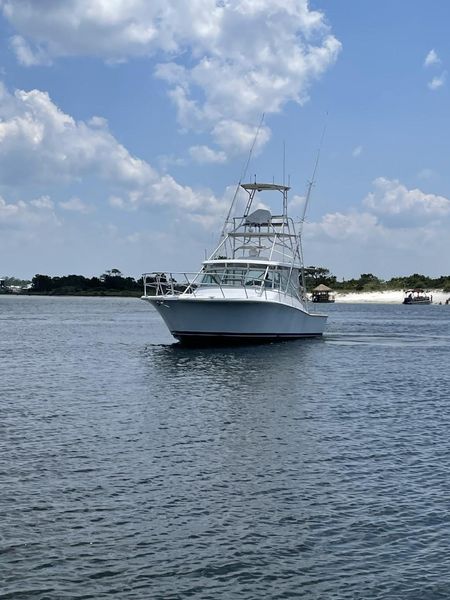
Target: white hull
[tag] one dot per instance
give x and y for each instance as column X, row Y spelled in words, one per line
column 192, row 319
column 251, row 288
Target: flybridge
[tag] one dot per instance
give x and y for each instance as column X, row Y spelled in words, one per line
column 252, row 188
column 259, row 234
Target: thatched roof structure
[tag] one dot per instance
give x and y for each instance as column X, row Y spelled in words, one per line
column 322, row 288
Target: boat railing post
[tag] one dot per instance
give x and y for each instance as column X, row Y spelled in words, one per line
column 220, row 282
column 244, row 278
column 185, row 275
column 192, row 285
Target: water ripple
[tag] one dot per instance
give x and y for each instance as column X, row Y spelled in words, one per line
column 134, row 468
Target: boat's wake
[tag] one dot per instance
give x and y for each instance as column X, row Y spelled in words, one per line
column 384, row 339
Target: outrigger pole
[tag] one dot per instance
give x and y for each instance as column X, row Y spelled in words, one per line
column 313, row 178
column 308, row 196
column 243, row 174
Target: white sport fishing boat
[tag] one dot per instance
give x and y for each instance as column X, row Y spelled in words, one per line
column 250, row 289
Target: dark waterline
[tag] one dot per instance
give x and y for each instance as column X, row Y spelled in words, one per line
column 134, row 468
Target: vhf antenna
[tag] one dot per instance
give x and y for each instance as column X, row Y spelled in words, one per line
column 308, row 196
column 243, row 174
column 313, row 178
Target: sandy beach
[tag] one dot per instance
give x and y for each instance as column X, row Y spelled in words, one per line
column 388, row 297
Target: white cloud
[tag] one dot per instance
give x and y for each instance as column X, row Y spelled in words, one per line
column 438, row 81
column 432, row 59
column 225, row 62
column 394, row 231
column 26, row 56
column 297, row 204
column 235, row 136
column 354, row 243
column 393, row 198
column 39, row 144
column 76, row 205
column 357, row 151
column 241, row 75
column 166, row 191
column 23, row 215
column 344, row 227
column 204, row 154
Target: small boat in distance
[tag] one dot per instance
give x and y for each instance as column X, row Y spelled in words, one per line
column 417, row 296
column 251, row 288
column 322, row 293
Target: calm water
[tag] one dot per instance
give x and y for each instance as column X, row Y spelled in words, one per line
column 131, row 468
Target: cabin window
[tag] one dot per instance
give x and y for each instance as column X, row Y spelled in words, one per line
column 254, row 276
column 285, row 280
column 233, row 276
column 213, row 276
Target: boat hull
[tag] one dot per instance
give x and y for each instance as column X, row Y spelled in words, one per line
column 414, row 302
column 195, row 320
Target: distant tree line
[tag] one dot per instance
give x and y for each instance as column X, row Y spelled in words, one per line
column 367, row 282
column 114, row 283
column 110, row 283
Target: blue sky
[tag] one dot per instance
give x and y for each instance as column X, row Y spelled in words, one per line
column 125, row 125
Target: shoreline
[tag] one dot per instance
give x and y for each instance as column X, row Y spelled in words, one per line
column 106, row 294
column 385, row 297
column 379, row 297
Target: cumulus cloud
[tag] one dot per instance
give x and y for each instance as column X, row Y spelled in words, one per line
column 76, row 205
column 354, row 243
column 240, row 75
column 395, row 199
column 204, row 154
column 432, row 59
column 225, row 63
column 345, row 226
column 235, row 136
column 23, row 215
column 438, row 81
column 393, row 227
column 26, row 55
column 40, row 144
column 297, row 204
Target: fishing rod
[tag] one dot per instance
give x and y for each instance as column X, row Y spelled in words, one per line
column 243, row 174
column 307, row 198
column 313, row 178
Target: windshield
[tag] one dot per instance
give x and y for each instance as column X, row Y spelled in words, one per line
column 271, row 277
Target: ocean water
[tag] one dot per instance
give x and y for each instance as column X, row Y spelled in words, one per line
column 133, row 468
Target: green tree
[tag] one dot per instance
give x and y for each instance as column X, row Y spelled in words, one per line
column 317, row 275
column 41, row 283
